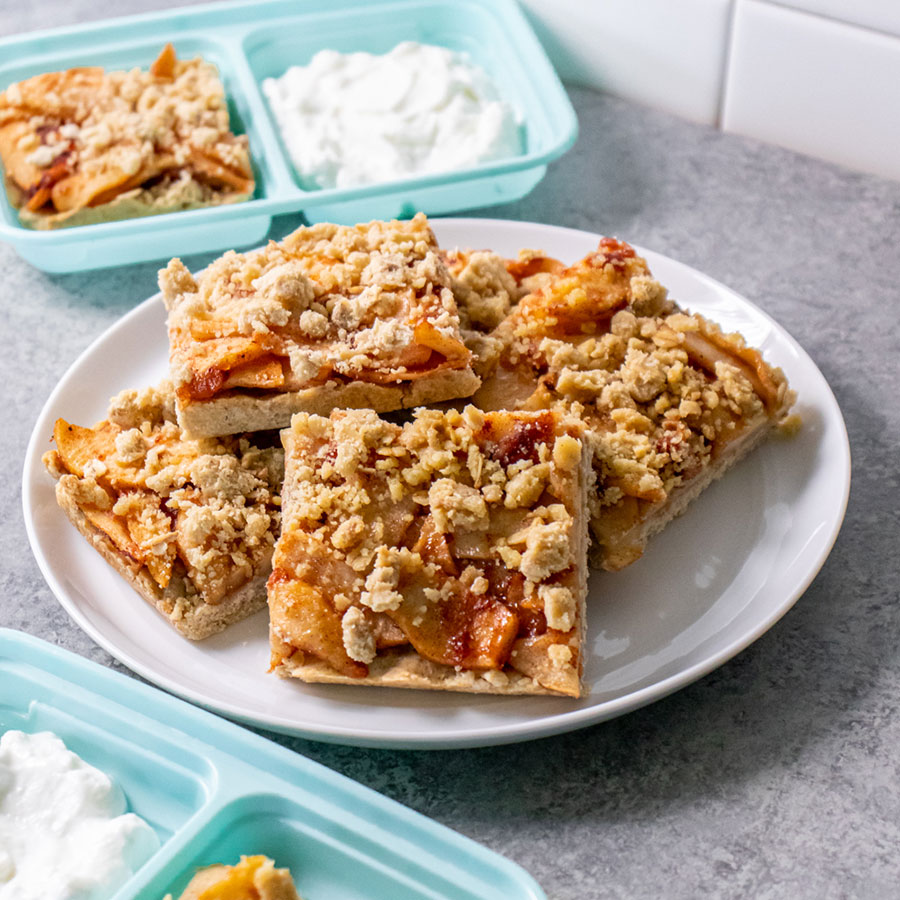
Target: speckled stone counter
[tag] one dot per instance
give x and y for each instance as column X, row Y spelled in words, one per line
column 779, row 774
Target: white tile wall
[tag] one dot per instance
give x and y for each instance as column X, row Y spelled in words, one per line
column 815, row 85
column 881, row 15
column 818, row 76
column 666, row 54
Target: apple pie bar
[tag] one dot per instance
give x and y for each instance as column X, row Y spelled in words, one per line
column 332, row 316
column 190, row 524
column 85, row 146
column 670, row 400
column 447, row 553
column 253, row 878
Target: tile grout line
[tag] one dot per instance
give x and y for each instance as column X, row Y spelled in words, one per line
column 828, row 17
column 726, row 63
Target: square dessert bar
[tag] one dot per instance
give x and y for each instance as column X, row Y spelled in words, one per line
column 191, row 525
column 85, row 146
column 447, row 553
column 352, row 317
column 669, row 400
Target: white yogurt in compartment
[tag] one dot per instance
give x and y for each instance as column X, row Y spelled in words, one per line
column 64, row 832
column 354, row 119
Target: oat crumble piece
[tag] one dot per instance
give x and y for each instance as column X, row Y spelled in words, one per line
column 486, row 290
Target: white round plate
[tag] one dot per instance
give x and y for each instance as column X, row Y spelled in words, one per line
column 715, row 580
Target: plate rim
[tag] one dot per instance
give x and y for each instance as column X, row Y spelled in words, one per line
column 478, row 736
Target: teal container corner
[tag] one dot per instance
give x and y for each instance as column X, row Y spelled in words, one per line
column 249, row 42
column 214, row 791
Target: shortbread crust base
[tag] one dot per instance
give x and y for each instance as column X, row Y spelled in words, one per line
column 406, row 669
column 237, row 413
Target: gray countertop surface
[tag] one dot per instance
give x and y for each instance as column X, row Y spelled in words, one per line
column 778, row 775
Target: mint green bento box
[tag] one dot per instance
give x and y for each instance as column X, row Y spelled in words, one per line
column 213, row 792
column 249, row 42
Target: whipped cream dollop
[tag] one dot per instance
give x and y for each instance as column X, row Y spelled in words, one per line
column 64, row 832
column 356, row 118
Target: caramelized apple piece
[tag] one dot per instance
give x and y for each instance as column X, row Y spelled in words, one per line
column 164, row 64
column 434, row 547
column 253, row 878
column 510, row 439
column 449, row 347
column 47, row 185
column 217, row 357
column 151, row 530
column 216, row 173
column 507, row 388
column 116, row 530
column 705, row 350
column 460, row 629
column 584, row 297
column 530, row 657
column 75, row 190
column 264, row 373
column 60, row 94
column 409, row 364
column 520, row 269
column 387, row 632
column 302, row 556
column 301, row 615
column 77, row 445
column 398, row 520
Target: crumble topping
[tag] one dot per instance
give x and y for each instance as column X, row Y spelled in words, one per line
column 381, row 592
column 86, row 491
column 370, row 302
column 359, row 639
column 485, row 290
column 560, row 655
column 144, row 408
column 457, row 507
column 663, row 392
column 131, row 446
column 548, row 549
column 559, row 606
column 454, row 535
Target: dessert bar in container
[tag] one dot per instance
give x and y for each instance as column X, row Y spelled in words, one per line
column 249, row 42
column 213, row 792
